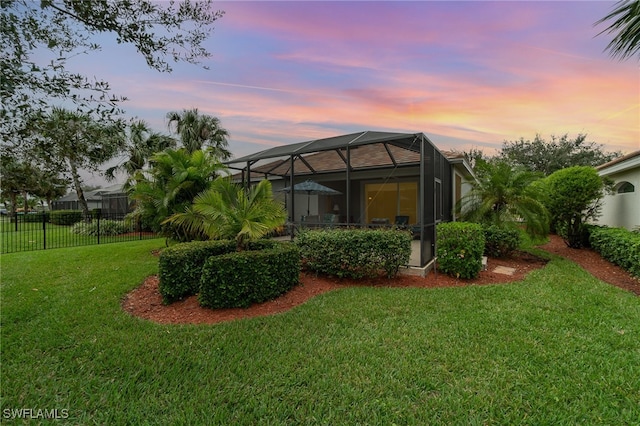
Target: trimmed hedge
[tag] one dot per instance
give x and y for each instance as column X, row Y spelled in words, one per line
column 180, row 266
column 355, row 253
column 65, row 217
column 617, row 245
column 35, row 217
column 459, row 249
column 241, row 278
column 500, row 241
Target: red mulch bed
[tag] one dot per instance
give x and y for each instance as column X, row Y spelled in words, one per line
column 146, row 302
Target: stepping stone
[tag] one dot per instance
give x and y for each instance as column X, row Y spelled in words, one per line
column 504, row 270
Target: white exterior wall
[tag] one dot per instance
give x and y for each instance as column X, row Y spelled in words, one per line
column 464, row 189
column 622, row 210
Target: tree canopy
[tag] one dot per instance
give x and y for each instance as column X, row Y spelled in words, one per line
column 68, row 141
column 546, row 157
column 39, row 40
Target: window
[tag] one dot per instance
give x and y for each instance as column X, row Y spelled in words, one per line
column 625, row 187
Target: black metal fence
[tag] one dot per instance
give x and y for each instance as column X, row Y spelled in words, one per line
column 57, row 229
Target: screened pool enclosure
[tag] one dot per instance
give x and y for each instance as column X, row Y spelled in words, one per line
column 380, row 178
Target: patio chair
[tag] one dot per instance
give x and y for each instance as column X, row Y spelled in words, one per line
column 330, row 219
column 401, row 221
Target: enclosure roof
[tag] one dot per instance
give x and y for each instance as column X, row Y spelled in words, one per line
column 407, row 140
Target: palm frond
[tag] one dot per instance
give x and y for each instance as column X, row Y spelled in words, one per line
column 625, row 28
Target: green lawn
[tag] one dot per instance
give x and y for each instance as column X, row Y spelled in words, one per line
column 558, row 348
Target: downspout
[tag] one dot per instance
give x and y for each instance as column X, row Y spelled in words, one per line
column 292, row 210
column 421, row 188
column 247, row 184
column 434, row 199
column 348, row 184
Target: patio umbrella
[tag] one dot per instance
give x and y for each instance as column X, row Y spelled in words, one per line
column 311, row 188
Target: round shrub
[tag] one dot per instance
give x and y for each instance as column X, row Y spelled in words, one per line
column 500, row 241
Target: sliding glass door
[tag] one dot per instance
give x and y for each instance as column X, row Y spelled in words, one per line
column 388, row 200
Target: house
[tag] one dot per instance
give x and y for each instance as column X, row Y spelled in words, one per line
column 70, row 201
column 382, row 178
column 622, row 208
column 112, row 201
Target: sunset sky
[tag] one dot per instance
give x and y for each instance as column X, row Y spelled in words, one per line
column 467, row 74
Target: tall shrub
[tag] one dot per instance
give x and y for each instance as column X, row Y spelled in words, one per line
column 500, row 241
column 573, row 196
column 459, row 249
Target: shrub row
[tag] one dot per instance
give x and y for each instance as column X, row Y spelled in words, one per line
column 59, row 217
column 355, row 253
column 65, row 217
column 240, row 279
column 181, row 266
column 103, row 227
column 459, row 249
column 34, row 217
column 500, row 241
column 617, row 245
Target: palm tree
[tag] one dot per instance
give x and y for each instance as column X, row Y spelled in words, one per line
column 505, row 196
column 142, row 143
column 170, row 185
column 197, row 130
column 626, row 27
column 227, row 210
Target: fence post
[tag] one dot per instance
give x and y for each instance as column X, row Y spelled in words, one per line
column 15, row 220
column 44, row 230
column 98, row 218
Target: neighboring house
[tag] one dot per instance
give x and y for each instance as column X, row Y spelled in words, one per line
column 70, row 202
column 622, row 208
column 383, row 178
column 112, row 201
